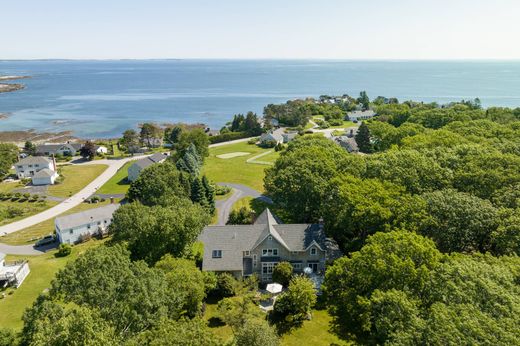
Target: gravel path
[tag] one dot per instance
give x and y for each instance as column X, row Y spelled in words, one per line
column 225, row 206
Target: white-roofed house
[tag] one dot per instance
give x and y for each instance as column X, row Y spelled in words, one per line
column 73, row 228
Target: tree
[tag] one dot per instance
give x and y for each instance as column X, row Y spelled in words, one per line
column 151, row 135
column 241, row 216
column 152, row 232
column 8, row 337
column 363, row 139
column 8, row 156
column 256, row 332
column 459, row 221
column 130, row 141
column 282, row 273
column 174, row 135
column 506, row 239
column 185, row 278
column 190, row 162
column 210, row 194
column 129, row 295
column 184, row 332
column 236, row 312
column 159, row 182
column 364, row 100
column 296, row 303
column 198, row 193
column 198, row 138
column 88, row 151
column 252, row 125
column 29, row 148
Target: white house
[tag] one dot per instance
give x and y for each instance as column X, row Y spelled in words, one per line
column 14, row 273
column 360, row 115
column 272, row 136
column 71, row 228
column 101, row 149
column 41, row 169
column 137, row 167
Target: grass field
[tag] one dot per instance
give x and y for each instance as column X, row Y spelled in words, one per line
column 26, row 208
column 75, row 178
column 118, row 183
column 314, row 332
column 10, row 186
column 236, row 170
column 346, row 123
column 43, row 268
column 30, row 234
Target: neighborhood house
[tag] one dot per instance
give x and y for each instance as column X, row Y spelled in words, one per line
column 278, row 136
column 137, row 167
column 243, row 250
column 41, row 170
column 360, row 115
column 67, row 149
column 73, row 228
column 12, row 273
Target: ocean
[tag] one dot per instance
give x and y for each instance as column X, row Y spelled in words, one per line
column 97, row 99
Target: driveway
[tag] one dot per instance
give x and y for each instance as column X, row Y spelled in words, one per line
column 225, row 206
column 71, row 202
column 25, row 249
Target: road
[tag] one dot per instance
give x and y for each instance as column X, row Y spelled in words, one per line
column 224, row 207
column 71, row 202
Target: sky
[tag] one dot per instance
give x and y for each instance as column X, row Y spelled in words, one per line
column 262, row 29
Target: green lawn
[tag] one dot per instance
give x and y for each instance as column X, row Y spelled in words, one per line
column 314, row 332
column 43, row 268
column 75, row 178
column 236, row 170
column 24, row 208
column 31, row 234
column 118, row 183
column 10, row 186
column 346, row 123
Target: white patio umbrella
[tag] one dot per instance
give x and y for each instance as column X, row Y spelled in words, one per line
column 274, row 288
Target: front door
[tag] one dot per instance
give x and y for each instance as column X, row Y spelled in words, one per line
column 267, row 271
column 314, row 267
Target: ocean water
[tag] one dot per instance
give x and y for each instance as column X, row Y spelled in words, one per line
column 103, row 98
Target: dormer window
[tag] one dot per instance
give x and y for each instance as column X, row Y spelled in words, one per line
column 247, row 253
column 270, row 238
column 313, row 251
column 216, row 254
column 269, row 252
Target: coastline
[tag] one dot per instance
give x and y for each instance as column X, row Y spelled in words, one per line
column 9, row 87
column 20, row 137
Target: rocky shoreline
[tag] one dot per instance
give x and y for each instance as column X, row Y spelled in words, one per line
column 9, row 87
column 20, row 137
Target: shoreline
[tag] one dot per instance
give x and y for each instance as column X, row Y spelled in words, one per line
column 10, row 87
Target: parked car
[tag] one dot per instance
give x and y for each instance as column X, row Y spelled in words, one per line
column 46, row 240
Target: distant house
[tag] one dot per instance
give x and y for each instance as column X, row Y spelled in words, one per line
column 360, row 115
column 287, row 137
column 12, row 273
column 101, row 149
column 243, row 250
column 70, row 229
column 41, row 170
column 66, row 149
column 272, row 136
column 348, row 143
column 137, row 167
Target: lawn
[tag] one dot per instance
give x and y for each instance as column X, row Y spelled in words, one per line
column 43, row 268
column 118, row 183
column 313, row 332
column 346, row 123
column 236, row 169
column 10, row 186
column 75, row 178
column 31, row 234
column 23, row 209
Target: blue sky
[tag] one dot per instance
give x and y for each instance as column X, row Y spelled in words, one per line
column 328, row 29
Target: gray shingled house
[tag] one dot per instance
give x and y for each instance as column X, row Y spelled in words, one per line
column 246, row 249
column 137, row 167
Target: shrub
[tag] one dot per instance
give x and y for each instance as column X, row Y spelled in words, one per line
column 242, row 216
column 26, row 195
column 252, row 140
column 226, row 285
column 228, row 136
column 221, row 190
column 17, row 195
column 64, row 250
column 295, row 304
column 325, row 125
column 336, row 122
column 282, row 273
column 268, row 144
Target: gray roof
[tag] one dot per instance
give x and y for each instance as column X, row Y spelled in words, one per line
column 276, row 135
column 150, row 160
column 85, row 217
column 44, row 173
column 234, row 239
column 42, row 148
column 31, row 160
column 358, row 114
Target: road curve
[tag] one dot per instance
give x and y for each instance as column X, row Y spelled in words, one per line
column 71, row 202
column 225, row 206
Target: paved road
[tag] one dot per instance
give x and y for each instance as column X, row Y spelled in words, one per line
column 225, row 206
column 71, row 202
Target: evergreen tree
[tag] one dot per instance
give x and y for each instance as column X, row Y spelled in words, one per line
column 363, row 139
column 198, row 194
column 364, row 100
column 210, row 194
column 174, row 135
column 29, row 148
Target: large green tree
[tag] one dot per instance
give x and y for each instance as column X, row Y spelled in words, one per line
column 363, row 139
column 8, row 156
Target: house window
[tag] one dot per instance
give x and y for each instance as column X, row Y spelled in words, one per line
column 313, row 266
column 71, row 231
column 297, row 266
column 313, row 251
column 30, row 165
column 20, row 167
column 36, row 165
column 247, row 253
column 294, row 252
column 267, row 270
column 217, row 254
column 270, row 238
column 88, row 227
column 269, row 252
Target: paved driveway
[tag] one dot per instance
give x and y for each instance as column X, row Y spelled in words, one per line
column 71, row 202
column 25, row 249
column 225, row 206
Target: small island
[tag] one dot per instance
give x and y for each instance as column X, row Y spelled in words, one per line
column 8, row 87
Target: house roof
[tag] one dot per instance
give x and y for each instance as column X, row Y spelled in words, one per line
column 53, row 147
column 357, row 114
column 85, row 217
column 44, row 173
column 150, row 160
column 276, row 135
column 348, row 143
column 31, row 160
column 233, row 240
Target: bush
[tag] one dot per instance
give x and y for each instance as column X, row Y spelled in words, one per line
column 226, row 285
column 26, row 195
column 64, row 250
column 295, row 304
column 268, row 144
column 228, row 136
column 325, row 125
column 242, row 216
column 252, row 140
column 221, row 190
column 282, row 273
column 336, row 122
